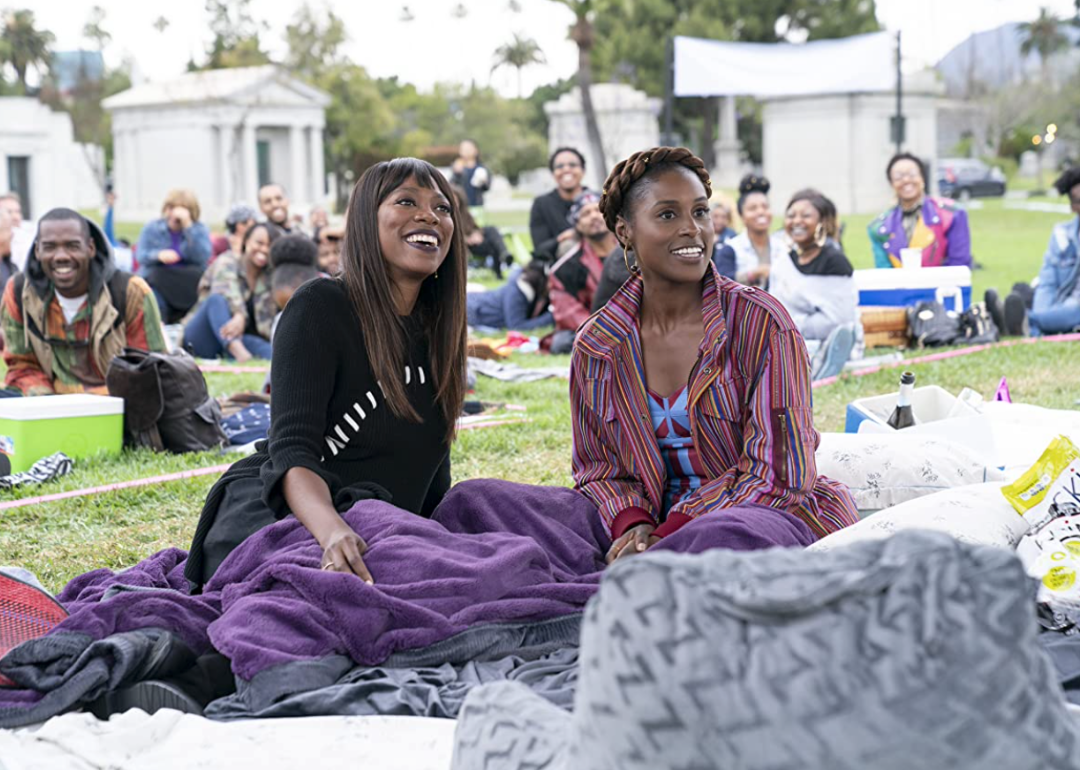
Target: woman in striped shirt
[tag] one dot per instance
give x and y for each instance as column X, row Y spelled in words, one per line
column 690, row 392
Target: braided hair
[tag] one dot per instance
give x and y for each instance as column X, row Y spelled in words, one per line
column 748, row 185
column 623, row 187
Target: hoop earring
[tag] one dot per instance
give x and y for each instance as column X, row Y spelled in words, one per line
column 633, row 269
column 819, row 234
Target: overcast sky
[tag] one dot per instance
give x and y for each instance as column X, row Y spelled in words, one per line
column 435, row 46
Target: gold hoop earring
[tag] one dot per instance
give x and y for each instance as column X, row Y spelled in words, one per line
column 819, row 234
column 633, row 269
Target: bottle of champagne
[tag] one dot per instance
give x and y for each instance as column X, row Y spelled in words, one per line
column 902, row 417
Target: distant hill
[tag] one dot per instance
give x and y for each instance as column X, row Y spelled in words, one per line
column 992, row 59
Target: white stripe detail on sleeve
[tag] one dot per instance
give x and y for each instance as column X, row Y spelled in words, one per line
column 352, row 423
column 340, row 432
column 423, row 379
column 333, row 447
column 408, row 376
column 360, row 411
column 371, row 398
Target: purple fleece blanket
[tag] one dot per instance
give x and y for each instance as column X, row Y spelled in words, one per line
column 494, row 552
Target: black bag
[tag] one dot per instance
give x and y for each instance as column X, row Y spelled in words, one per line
column 931, row 325
column 166, row 403
column 977, row 327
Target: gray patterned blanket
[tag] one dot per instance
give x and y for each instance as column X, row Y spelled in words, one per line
column 913, row 652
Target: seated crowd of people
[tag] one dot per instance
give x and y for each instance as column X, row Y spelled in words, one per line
column 690, row 383
column 68, row 310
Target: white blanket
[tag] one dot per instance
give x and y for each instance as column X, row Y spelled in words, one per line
column 170, row 740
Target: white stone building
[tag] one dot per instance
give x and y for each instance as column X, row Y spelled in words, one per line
column 41, row 161
column 220, row 133
column 628, row 121
column 841, row 144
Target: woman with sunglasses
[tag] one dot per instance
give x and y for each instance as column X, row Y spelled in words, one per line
column 937, row 226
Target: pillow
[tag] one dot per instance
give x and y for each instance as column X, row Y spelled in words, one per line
column 886, row 470
column 977, row 513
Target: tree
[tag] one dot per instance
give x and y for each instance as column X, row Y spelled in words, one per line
column 94, row 28
column 518, row 54
column 582, row 34
column 24, row 45
column 314, row 41
column 236, row 36
column 160, row 24
column 1043, row 35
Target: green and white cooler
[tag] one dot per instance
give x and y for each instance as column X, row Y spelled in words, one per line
column 79, row 425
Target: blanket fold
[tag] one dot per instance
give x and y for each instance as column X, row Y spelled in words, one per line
column 490, row 575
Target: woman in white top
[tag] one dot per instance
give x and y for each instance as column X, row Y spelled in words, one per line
column 755, row 249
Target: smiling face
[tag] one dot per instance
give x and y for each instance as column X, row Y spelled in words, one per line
column 65, row 254
column 591, row 222
column 801, row 223
column 274, row 205
column 756, row 213
column 907, row 181
column 670, row 229
column 415, row 231
column 568, row 171
column 257, row 247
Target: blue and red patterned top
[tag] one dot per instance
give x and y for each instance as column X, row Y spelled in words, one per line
column 671, row 422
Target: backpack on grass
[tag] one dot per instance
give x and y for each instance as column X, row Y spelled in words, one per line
column 166, row 404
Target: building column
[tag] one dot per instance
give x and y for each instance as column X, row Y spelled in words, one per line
column 298, row 184
column 726, row 173
column 318, row 174
column 249, row 165
column 226, row 170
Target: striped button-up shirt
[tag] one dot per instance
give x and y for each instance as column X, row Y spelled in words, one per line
column 750, row 408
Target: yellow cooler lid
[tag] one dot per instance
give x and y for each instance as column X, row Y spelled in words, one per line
column 55, row 407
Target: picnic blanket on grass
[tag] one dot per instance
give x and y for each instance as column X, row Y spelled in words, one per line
column 488, row 577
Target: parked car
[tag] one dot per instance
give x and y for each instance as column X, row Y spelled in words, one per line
column 965, row 178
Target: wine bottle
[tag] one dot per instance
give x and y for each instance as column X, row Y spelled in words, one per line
column 902, row 417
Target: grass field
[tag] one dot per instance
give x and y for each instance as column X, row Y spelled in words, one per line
column 60, row 540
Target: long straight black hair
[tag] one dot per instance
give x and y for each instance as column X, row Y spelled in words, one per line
column 440, row 305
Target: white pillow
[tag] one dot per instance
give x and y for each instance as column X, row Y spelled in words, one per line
column 883, row 470
column 977, row 513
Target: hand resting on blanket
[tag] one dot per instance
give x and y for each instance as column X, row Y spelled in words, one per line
column 309, row 498
column 635, row 540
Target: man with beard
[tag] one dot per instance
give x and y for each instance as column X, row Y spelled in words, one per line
column 547, row 221
column 274, row 204
column 574, row 277
column 72, row 311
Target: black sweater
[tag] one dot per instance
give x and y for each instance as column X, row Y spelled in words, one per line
column 329, row 415
column 546, row 221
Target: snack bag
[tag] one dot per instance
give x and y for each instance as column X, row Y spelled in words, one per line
column 1050, row 488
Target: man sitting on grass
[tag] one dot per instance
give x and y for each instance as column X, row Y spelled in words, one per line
column 72, row 311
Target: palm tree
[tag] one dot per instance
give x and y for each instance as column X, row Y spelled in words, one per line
column 582, row 34
column 519, row 54
column 1044, row 36
column 25, row 46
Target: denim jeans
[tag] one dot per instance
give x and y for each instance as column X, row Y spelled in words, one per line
column 203, row 331
column 1054, row 319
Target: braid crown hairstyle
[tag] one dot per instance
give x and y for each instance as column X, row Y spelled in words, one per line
column 621, row 190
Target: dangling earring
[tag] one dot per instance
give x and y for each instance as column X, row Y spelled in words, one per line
column 633, row 269
column 819, row 234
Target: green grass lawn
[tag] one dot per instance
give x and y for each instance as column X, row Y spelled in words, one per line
column 62, row 539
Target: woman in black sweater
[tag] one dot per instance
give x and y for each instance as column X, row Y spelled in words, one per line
column 364, row 403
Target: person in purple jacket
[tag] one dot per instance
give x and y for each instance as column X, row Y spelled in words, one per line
column 937, row 226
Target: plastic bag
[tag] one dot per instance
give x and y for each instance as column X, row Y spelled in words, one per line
column 1050, row 488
